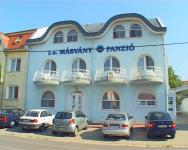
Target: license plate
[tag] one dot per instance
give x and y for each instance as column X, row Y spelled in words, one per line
column 25, row 120
column 114, row 126
column 162, row 126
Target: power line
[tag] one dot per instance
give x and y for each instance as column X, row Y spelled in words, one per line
column 147, row 45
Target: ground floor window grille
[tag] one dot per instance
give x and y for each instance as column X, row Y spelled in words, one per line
column 110, row 100
column 146, row 99
column 48, row 99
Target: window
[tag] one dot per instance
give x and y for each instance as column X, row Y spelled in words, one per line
column 79, row 65
column 135, row 31
column 145, row 62
column 72, row 36
column 12, row 92
column 58, row 38
column 119, row 32
column 112, row 64
column 15, row 64
column 48, row 99
column 50, row 67
column 111, row 100
column 146, row 99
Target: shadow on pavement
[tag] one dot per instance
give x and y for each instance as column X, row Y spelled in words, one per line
column 138, row 134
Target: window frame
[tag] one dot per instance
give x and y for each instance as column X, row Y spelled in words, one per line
column 72, row 37
column 135, row 32
column 16, row 67
column 12, row 95
column 144, row 57
column 48, row 102
column 50, row 70
column 111, row 68
column 117, row 34
column 78, row 65
column 58, row 38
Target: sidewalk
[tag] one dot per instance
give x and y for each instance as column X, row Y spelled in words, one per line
column 94, row 136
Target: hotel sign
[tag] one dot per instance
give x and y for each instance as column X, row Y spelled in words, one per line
column 99, row 49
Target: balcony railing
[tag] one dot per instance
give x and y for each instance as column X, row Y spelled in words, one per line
column 76, row 76
column 149, row 74
column 46, row 77
column 111, row 75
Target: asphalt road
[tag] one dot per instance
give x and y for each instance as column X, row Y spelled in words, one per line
column 8, row 142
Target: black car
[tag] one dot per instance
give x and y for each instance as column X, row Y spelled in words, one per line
column 10, row 117
column 160, row 124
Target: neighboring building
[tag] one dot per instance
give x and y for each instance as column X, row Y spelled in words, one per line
column 3, row 44
column 184, row 105
column 99, row 68
column 15, row 72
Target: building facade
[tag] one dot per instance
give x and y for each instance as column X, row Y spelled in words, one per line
column 99, row 68
column 15, row 70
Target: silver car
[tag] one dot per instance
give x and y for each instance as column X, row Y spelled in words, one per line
column 118, row 124
column 69, row 122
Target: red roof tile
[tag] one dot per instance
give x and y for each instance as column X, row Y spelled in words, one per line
column 4, row 39
column 18, row 39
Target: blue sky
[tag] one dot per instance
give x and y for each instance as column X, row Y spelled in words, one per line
column 18, row 15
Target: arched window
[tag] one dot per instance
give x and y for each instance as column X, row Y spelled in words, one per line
column 135, row 31
column 79, row 65
column 72, row 36
column 48, row 99
column 50, row 67
column 58, row 38
column 145, row 62
column 112, row 64
column 111, row 100
column 146, row 99
column 119, row 32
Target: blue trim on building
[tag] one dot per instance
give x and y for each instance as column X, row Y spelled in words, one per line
column 102, row 30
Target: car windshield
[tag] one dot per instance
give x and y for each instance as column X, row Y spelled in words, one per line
column 116, row 117
column 63, row 115
column 32, row 114
column 159, row 116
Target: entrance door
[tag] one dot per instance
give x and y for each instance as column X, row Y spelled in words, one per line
column 77, row 101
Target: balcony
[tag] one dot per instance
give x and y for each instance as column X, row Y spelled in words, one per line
column 111, row 76
column 148, row 75
column 46, row 77
column 76, row 77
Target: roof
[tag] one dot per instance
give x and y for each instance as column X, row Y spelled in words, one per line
column 93, row 27
column 92, row 30
column 18, row 39
column 4, row 39
column 185, row 82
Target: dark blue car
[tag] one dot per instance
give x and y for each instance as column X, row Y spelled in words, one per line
column 160, row 124
column 10, row 117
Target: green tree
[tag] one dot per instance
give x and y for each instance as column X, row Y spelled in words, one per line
column 174, row 81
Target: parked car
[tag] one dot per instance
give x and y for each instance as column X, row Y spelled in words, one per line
column 69, row 122
column 160, row 123
column 36, row 119
column 118, row 124
column 10, row 117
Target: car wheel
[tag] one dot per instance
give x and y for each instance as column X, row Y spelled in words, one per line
column 75, row 132
column 12, row 124
column 127, row 137
column 172, row 136
column 105, row 136
column 86, row 127
column 54, row 132
column 42, row 127
column 149, row 135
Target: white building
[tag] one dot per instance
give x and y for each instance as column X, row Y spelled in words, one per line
column 99, row 68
